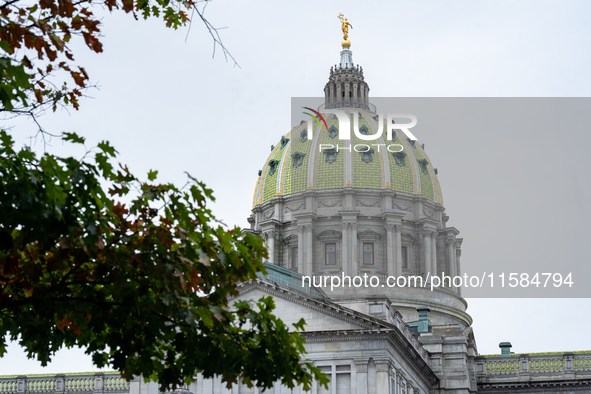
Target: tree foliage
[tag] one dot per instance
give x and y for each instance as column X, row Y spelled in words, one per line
column 37, row 65
column 144, row 284
column 140, row 273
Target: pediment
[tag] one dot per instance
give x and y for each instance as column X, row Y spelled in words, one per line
column 329, row 235
column 369, row 235
column 319, row 314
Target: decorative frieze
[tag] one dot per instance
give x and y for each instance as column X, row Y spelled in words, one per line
column 329, row 203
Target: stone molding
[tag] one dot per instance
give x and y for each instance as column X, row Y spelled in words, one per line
column 368, row 202
column 315, row 304
column 294, row 207
column 393, row 336
column 330, row 202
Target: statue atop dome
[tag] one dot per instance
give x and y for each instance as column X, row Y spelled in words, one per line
column 346, row 87
column 345, row 26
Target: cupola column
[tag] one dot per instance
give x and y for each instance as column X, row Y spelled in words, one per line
column 458, row 265
column 301, row 249
column 270, row 242
column 451, row 256
column 309, row 250
column 354, row 252
column 345, row 248
column 398, row 240
column 426, row 237
column 434, row 253
column 390, row 251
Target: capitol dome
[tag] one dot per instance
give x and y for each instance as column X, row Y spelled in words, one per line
column 358, row 202
column 298, row 163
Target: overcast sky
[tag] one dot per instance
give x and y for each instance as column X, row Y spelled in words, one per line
column 167, row 105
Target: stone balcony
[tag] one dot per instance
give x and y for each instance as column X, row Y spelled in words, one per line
column 85, row 383
column 533, row 372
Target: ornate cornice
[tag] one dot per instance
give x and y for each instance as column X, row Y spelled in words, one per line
column 393, row 336
column 319, row 305
column 558, row 385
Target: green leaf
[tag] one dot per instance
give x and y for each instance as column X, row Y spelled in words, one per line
column 152, row 175
column 73, row 137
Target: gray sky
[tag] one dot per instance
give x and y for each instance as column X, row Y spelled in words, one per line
column 166, row 105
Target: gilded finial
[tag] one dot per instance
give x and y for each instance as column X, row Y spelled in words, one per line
column 345, row 26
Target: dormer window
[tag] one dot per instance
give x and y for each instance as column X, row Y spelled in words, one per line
column 273, row 164
column 423, row 164
column 400, row 158
column 284, row 141
column 332, row 131
column 330, row 155
column 412, row 142
column 363, row 130
column 367, row 156
column 304, row 135
column 297, row 159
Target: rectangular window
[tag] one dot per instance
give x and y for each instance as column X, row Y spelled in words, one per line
column 367, row 254
column 327, row 370
column 294, row 259
column 330, row 254
column 404, row 253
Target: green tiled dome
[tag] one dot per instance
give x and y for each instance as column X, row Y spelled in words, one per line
column 296, row 164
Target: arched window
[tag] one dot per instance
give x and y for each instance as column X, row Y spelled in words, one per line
column 273, row 166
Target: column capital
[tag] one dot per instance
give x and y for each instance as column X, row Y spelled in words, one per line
column 361, row 365
column 427, row 233
column 383, row 365
column 267, row 234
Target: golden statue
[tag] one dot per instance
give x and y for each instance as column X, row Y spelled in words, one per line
column 345, row 27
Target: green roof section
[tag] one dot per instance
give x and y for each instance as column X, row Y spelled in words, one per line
column 409, row 172
column 367, row 163
column 329, row 174
column 291, row 279
column 295, row 176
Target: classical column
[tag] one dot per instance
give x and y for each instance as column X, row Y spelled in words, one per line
column 451, row 256
column 301, row 249
column 390, row 251
column 434, row 253
column 270, row 241
column 354, row 252
column 458, row 265
column 400, row 379
column 345, row 249
column 458, row 254
column 382, row 377
column 361, row 369
column 427, row 251
column 397, row 229
column 309, row 233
